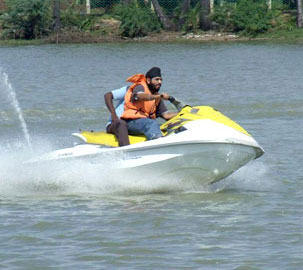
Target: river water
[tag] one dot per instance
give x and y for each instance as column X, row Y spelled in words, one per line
column 75, row 217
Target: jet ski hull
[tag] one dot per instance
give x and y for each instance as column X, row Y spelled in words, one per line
column 199, row 162
column 201, row 149
column 203, row 163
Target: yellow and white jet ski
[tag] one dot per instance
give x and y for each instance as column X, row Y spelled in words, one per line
column 199, row 144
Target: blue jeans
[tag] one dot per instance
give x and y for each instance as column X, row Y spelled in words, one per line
column 149, row 127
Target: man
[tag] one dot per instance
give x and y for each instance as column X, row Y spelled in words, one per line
column 143, row 104
column 116, row 125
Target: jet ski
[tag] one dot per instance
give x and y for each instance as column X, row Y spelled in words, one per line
column 199, row 144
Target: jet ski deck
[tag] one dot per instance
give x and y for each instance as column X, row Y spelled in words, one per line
column 176, row 124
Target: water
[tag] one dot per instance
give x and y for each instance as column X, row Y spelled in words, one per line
column 74, row 216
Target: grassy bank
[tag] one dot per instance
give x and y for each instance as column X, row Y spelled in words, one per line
column 78, row 37
column 19, row 42
column 295, row 34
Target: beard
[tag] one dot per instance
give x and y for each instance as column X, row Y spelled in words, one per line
column 154, row 88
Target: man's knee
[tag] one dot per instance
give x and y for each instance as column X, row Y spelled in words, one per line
column 153, row 130
column 121, row 125
column 116, row 125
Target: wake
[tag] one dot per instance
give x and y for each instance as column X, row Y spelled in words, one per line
column 77, row 176
column 80, row 177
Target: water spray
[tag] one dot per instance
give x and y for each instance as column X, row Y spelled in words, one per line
column 6, row 87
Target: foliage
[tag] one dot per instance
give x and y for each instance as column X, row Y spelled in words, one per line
column 286, row 35
column 71, row 18
column 26, row 19
column 192, row 19
column 136, row 21
column 30, row 19
column 107, row 4
column 251, row 17
column 169, row 5
column 282, row 20
column 223, row 16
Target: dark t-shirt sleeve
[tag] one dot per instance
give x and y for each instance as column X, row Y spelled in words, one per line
column 161, row 109
column 138, row 89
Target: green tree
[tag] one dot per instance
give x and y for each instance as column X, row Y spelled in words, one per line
column 223, row 16
column 299, row 14
column 166, row 22
column 251, row 17
column 27, row 19
column 205, row 23
column 136, row 21
column 56, row 14
column 185, row 5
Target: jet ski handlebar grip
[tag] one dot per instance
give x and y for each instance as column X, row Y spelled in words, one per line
column 171, row 99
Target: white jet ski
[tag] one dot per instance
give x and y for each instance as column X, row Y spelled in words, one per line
column 199, row 144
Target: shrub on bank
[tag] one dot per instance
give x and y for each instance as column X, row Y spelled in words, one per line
column 26, row 19
column 192, row 19
column 223, row 16
column 252, row 17
column 71, row 18
column 136, row 21
column 30, row 19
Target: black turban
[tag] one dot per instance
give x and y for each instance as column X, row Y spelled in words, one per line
column 153, row 72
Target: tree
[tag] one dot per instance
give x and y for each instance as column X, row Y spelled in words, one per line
column 166, row 22
column 145, row 20
column 211, row 6
column 26, row 19
column 56, row 11
column 205, row 23
column 184, row 10
column 269, row 4
column 88, row 6
column 299, row 14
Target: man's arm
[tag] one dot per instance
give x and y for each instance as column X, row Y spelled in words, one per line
column 169, row 115
column 147, row 97
column 162, row 110
column 108, row 97
column 141, row 96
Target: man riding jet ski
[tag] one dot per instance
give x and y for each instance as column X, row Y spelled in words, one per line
column 197, row 144
column 141, row 105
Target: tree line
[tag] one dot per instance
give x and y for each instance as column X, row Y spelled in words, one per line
column 29, row 19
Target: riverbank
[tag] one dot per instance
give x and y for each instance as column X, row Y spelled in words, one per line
column 163, row 36
column 78, row 37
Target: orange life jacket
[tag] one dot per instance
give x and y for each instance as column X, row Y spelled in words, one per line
column 138, row 109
